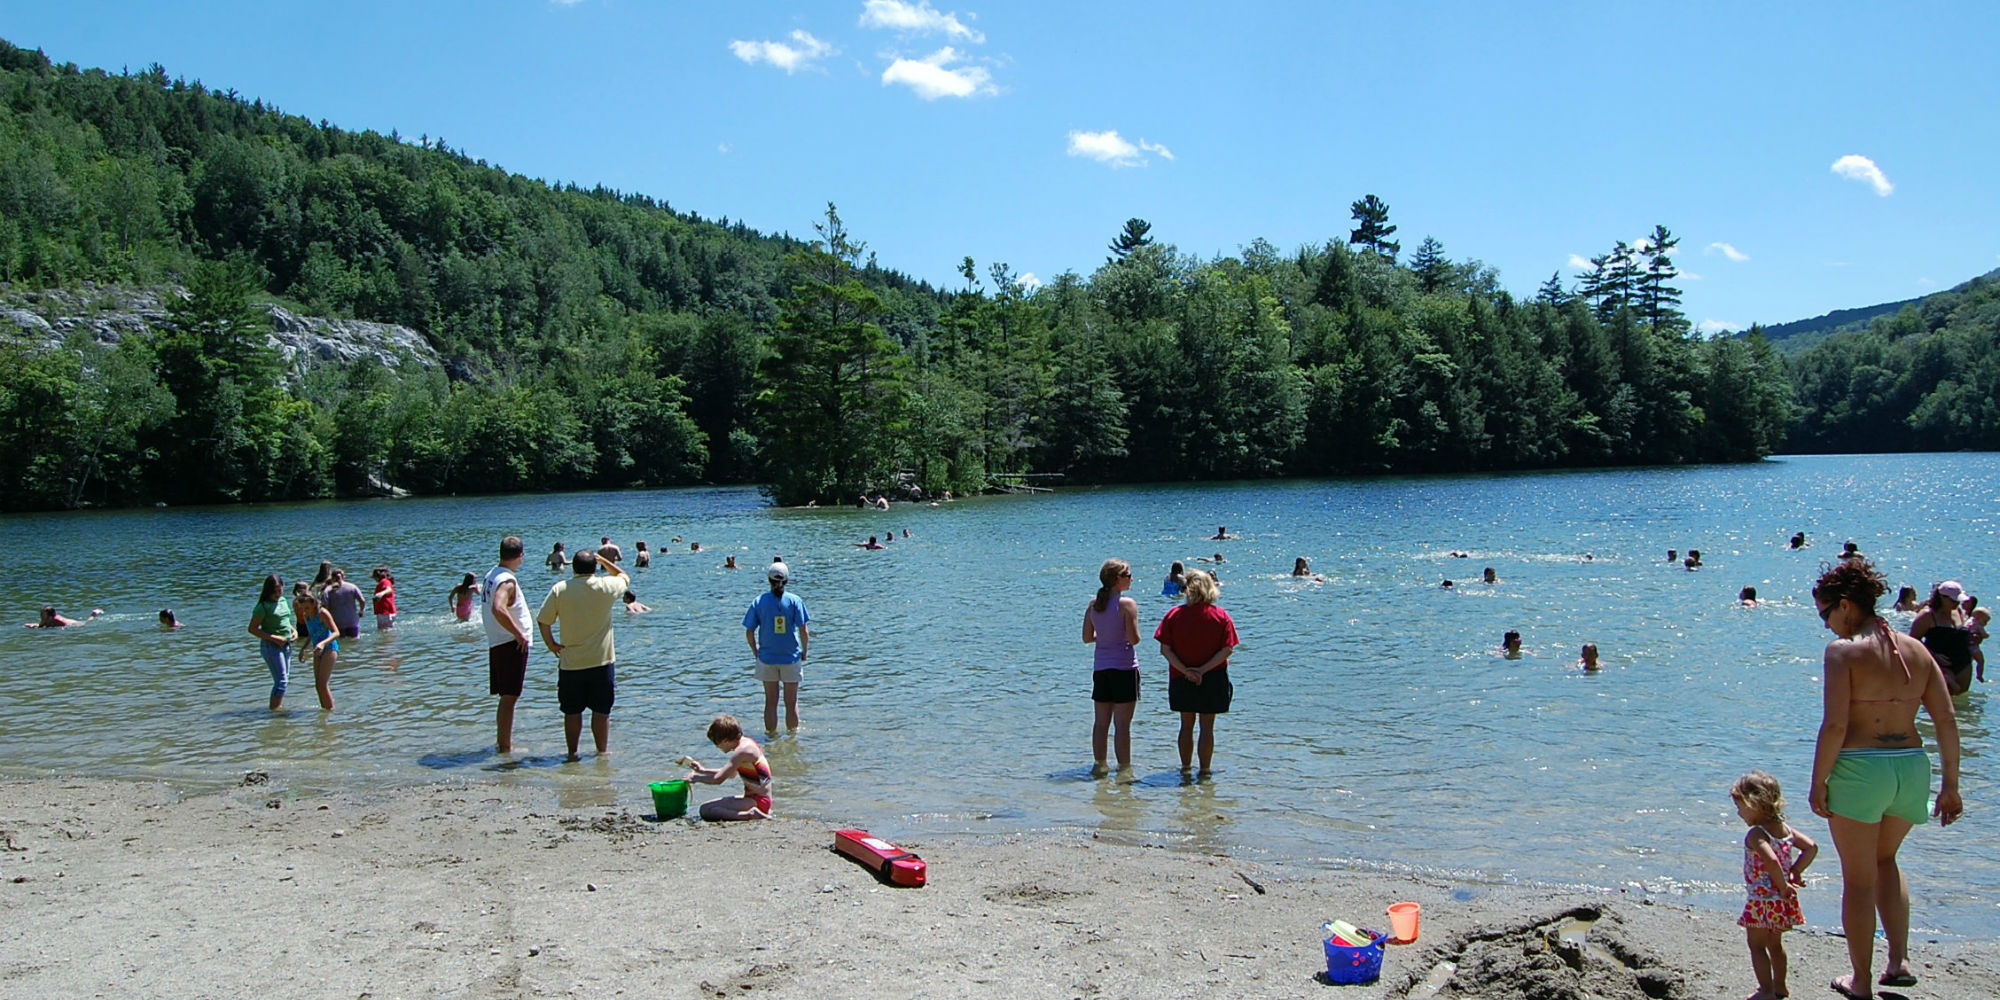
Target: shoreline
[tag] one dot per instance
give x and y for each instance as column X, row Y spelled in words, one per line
column 130, row 889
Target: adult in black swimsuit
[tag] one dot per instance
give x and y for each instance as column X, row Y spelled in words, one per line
column 1942, row 628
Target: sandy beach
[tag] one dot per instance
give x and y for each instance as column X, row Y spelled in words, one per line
column 129, row 890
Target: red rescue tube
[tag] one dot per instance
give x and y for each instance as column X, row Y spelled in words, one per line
column 890, row 863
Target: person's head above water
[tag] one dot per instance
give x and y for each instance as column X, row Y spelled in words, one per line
column 1589, row 656
column 1300, row 567
column 1511, row 641
column 1490, row 576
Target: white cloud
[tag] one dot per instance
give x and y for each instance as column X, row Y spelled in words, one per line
column 1861, row 168
column 932, row 76
column 1727, row 251
column 800, row 54
column 916, row 18
column 1581, row 263
column 1028, row 282
column 1711, row 327
column 722, row 147
column 1110, row 147
column 1689, row 275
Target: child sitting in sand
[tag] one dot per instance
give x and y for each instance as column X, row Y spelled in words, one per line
column 746, row 760
column 1774, row 857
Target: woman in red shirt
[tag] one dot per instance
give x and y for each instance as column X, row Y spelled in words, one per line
column 1197, row 638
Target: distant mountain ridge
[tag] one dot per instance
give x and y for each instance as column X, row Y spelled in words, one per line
column 1802, row 334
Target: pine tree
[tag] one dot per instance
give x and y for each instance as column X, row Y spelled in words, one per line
column 1552, row 291
column 1657, row 300
column 1432, row 267
column 1374, row 230
column 1131, row 238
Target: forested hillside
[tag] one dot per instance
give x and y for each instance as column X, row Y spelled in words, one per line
column 1926, row 378
column 601, row 339
column 1800, row 335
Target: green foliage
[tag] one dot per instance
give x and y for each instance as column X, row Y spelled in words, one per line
column 598, row 339
column 830, row 394
column 1373, row 230
column 1926, row 378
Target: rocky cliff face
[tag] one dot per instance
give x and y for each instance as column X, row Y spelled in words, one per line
column 109, row 314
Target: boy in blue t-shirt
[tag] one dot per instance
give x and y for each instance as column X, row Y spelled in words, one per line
column 775, row 627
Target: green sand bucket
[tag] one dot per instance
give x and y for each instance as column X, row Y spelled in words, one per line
column 670, row 798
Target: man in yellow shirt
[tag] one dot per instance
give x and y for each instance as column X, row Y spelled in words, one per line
column 581, row 608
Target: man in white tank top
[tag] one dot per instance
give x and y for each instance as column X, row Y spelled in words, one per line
column 505, row 611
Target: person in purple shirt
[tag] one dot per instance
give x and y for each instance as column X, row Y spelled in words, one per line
column 345, row 602
column 1111, row 623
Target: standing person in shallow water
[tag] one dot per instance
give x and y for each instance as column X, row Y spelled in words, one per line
column 385, row 599
column 1176, row 576
column 1197, row 639
column 1870, row 772
column 1942, row 628
column 775, row 628
column 460, row 598
column 344, row 600
column 1111, row 623
column 271, row 622
column 586, row 657
column 325, row 645
column 504, row 612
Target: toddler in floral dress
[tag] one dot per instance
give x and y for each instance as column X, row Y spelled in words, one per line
column 1774, row 857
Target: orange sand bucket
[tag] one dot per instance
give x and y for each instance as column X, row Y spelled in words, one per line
column 1403, row 919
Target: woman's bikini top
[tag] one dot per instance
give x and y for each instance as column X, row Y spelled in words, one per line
column 1895, row 653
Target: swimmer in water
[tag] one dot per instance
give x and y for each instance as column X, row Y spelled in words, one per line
column 729, row 562
column 1300, row 567
column 1490, row 577
column 50, row 619
column 1798, row 540
column 1747, row 597
column 1673, row 555
column 1588, row 660
column 167, row 619
column 1221, row 534
column 632, row 605
column 1510, row 645
column 871, row 544
column 1906, row 600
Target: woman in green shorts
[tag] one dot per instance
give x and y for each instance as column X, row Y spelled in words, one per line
column 1870, row 773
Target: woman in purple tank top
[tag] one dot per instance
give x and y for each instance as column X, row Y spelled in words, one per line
column 1111, row 622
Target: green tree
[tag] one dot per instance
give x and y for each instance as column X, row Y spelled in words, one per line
column 830, row 392
column 1373, row 230
column 1131, row 238
column 227, row 431
column 1431, row 266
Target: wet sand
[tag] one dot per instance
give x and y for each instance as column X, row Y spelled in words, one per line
column 127, row 890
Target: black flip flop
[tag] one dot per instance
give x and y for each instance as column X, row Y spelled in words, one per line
column 1899, row 979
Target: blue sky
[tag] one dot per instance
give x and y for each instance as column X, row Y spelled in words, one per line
column 1811, row 157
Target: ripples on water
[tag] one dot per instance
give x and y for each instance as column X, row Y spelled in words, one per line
column 1373, row 726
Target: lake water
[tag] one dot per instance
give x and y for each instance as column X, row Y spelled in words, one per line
column 1374, row 726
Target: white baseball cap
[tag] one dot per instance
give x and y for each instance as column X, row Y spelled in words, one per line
column 778, row 571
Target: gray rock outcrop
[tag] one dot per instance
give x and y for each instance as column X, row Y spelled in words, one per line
column 110, row 313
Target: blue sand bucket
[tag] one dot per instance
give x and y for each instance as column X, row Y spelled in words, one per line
column 1361, row 964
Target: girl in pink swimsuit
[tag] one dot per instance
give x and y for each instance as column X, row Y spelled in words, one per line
column 746, row 761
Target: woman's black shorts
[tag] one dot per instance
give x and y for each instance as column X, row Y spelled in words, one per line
column 1210, row 697
column 1119, row 687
